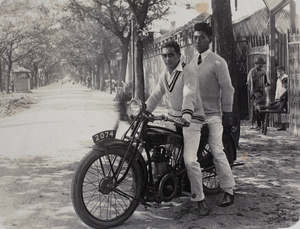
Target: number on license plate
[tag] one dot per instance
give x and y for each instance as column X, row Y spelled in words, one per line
column 104, row 135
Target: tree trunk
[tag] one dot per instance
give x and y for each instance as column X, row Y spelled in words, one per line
column 224, row 46
column 109, row 75
column 1, row 84
column 35, row 74
column 97, row 72
column 47, row 78
column 139, row 71
column 102, row 81
column 223, row 31
column 123, row 67
column 100, row 73
column 8, row 77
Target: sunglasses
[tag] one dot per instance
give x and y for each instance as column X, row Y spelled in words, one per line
column 170, row 55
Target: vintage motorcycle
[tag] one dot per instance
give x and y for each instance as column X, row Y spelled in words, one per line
column 145, row 165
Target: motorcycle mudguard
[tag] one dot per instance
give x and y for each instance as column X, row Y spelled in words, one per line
column 227, row 136
column 109, row 143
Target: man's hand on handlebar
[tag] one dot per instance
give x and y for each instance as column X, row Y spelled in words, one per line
column 181, row 122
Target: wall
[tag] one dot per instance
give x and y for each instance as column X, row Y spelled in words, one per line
column 22, row 84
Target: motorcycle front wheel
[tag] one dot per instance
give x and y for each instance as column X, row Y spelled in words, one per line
column 97, row 198
column 210, row 180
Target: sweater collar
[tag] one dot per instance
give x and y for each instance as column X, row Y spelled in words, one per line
column 178, row 68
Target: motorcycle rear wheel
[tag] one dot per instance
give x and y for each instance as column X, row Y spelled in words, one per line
column 96, row 200
column 210, row 180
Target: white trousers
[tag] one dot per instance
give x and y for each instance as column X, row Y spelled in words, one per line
column 191, row 138
column 219, row 157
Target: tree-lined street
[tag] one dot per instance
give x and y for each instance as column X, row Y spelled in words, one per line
column 41, row 146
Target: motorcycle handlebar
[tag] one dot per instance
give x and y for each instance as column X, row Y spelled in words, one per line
column 167, row 119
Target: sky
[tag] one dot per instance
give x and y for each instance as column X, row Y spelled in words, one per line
column 181, row 15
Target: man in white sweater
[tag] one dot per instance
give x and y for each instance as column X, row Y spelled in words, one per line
column 280, row 89
column 180, row 84
column 217, row 98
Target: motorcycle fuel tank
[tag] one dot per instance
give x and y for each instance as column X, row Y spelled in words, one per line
column 159, row 135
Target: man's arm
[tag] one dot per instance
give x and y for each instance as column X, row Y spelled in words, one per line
column 156, row 95
column 190, row 90
column 250, row 80
column 227, row 90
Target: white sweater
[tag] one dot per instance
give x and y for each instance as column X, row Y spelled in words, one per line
column 215, row 83
column 279, row 88
column 181, row 89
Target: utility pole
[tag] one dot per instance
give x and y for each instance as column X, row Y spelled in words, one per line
column 132, row 56
column 293, row 16
column 272, row 54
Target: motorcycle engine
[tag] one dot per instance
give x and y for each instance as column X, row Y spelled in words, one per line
column 166, row 183
column 160, row 162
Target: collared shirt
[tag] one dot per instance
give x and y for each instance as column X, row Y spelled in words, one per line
column 204, row 54
column 171, row 76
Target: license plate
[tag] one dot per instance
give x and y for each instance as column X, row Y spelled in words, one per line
column 107, row 134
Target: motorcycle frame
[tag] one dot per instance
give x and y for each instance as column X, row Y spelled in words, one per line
column 132, row 141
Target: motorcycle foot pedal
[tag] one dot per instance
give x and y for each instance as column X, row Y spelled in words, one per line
column 184, row 193
column 145, row 203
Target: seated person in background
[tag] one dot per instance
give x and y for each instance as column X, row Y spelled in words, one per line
column 279, row 104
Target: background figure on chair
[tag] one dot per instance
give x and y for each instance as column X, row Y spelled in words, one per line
column 279, row 104
column 258, row 86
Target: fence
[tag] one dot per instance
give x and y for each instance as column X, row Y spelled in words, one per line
column 294, row 83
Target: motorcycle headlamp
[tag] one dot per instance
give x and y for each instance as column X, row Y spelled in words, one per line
column 135, row 106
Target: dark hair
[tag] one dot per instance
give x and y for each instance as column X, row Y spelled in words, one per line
column 280, row 68
column 171, row 44
column 284, row 80
column 203, row 27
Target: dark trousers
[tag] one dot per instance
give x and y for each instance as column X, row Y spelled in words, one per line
column 259, row 117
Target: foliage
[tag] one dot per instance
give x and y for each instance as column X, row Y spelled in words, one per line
column 114, row 17
column 27, row 34
column 144, row 13
column 51, row 38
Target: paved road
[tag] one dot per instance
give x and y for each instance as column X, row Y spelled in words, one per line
column 40, row 148
column 65, row 117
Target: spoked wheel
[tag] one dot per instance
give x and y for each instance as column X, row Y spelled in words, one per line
column 210, row 180
column 99, row 198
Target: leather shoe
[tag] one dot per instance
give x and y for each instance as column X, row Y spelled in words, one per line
column 202, row 208
column 280, row 129
column 226, row 200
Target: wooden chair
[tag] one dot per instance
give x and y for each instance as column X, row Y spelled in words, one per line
column 265, row 122
column 277, row 107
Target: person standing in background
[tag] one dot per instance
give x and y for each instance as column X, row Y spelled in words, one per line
column 258, row 86
column 280, row 89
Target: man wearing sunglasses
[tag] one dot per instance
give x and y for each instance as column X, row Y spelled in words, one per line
column 180, row 85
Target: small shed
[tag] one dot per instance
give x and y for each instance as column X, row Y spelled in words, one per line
column 22, row 79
